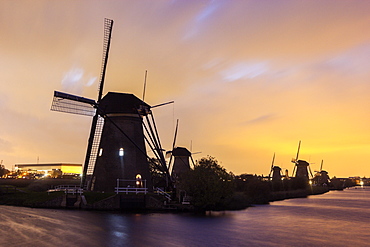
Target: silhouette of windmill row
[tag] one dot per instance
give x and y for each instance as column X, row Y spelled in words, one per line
column 116, row 145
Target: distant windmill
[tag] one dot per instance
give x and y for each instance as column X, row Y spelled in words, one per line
column 301, row 167
column 321, row 177
column 181, row 157
column 116, row 146
column 275, row 171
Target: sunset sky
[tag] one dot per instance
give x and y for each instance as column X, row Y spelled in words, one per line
column 249, row 78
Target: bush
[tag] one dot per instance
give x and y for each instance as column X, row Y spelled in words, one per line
column 209, row 185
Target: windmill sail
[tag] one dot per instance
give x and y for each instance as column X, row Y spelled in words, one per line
column 95, row 146
column 108, row 25
column 69, row 103
column 95, row 132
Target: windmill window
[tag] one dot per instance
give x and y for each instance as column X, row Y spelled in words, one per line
column 121, row 152
column 100, row 152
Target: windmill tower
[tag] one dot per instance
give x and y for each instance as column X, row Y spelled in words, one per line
column 122, row 152
column 116, row 146
column 181, row 162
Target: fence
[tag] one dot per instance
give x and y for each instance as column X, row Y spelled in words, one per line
column 131, row 186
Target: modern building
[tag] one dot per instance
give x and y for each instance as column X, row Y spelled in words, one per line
column 49, row 169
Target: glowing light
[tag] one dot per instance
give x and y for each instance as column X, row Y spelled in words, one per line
column 121, row 152
column 138, row 180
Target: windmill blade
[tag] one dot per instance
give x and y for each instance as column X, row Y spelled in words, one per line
column 192, row 161
column 74, row 104
column 175, row 136
column 90, row 152
column 322, row 162
column 108, row 25
column 309, row 168
column 153, row 141
column 93, row 149
column 299, row 146
column 146, row 73
column 95, row 145
column 173, row 144
column 272, row 165
column 294, row 170
column 170, row 102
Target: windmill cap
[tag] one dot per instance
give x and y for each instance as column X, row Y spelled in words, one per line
column 303, row 162
column 180, row 151
column 121, row 103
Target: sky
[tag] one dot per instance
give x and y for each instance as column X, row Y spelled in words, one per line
column 249, row 78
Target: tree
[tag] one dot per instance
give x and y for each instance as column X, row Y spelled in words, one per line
column 158, row 176
column 3, row 171
column 209, row 184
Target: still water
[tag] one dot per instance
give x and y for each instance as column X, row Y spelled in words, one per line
column 337, row 218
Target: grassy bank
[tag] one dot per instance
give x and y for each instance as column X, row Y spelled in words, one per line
column 33, row 193
column 30, row 192
column 240, row 200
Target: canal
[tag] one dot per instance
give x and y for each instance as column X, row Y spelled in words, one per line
column 337, row 218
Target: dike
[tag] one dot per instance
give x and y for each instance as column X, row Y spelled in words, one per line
column 290, row 194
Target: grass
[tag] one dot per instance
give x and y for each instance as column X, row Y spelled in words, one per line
column 92, row 197
column 28, row 199
column 38, row 185
column 31, row 192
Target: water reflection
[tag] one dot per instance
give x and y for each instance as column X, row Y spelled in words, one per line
column 338, row 218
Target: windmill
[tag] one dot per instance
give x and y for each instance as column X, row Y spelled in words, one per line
column 301, row 167
column 275, row 171
column 116, row 146
column 321, row 177
column 181, row 157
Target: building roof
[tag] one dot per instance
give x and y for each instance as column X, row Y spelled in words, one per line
column 121, row 103
column 46, row 165
column 180, row 151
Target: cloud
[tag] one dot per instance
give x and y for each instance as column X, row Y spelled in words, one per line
column 260, row 120
column 244, row 70
column 203, row 16
column 5, row 146
column 206, row 12
column 355, row 61
column 74, row 81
